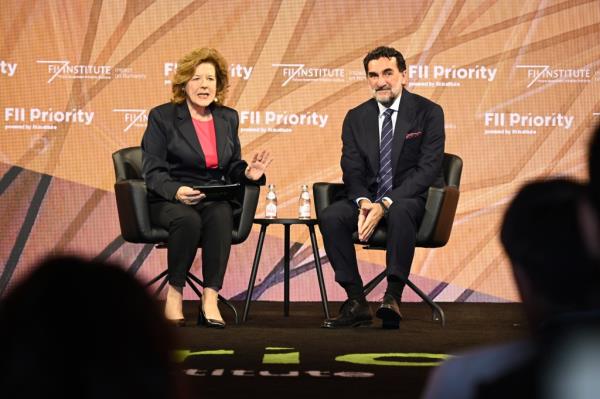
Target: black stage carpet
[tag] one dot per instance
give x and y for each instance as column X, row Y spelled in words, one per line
column 275, row 356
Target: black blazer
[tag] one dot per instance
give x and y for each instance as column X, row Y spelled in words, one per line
column 417, row 149
column 172, row 156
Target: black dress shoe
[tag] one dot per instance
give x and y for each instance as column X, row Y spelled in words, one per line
column 389, row 313
column 210, row 323
column 352, row 314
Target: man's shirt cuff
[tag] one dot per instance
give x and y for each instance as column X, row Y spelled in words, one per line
column 360, row 199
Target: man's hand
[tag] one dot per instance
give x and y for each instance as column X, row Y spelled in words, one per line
column 189, row 196
column 368, row 218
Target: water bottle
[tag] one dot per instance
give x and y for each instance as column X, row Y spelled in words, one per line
column 271, row 208
column 304, row 203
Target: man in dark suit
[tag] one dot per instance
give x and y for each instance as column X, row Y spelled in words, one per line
column 393, row 147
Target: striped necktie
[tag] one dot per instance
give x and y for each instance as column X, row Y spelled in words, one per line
column 384, row 178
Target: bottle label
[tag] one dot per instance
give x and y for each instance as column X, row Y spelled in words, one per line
column 304, row 211
column 305, row 195
column 271, row 211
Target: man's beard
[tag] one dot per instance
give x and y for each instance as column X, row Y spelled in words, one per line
column 388, row 102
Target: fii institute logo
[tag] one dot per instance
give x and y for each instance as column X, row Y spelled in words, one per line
column 547, row 74
column 7, row 68
column 444, row 76
column 45, row 119
column 65, row 70
column 302, row 73
column 133, row 117
column 235, row 71
column 516, row 123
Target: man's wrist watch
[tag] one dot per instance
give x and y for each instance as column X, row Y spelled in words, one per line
column 385, row 208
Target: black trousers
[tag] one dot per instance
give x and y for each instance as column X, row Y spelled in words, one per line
column 208, row 224
column 339, row 221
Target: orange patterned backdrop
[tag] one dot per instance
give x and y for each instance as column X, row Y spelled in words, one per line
column 518, row 81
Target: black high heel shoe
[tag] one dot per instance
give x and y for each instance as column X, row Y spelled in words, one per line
column 210, row 323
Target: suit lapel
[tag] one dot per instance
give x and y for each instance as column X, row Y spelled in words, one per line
column 406, row 114
column 371, row 128
column 186, row 127
column 221, row 133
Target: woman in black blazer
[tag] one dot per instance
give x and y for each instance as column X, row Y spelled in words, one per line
column 192, row 141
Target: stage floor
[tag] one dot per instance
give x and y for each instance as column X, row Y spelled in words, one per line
column 272, row 355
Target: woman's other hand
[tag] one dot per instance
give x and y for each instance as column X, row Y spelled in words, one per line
column 189, row 196
column 260, row 162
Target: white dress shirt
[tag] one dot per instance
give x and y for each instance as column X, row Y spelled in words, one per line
column 395, row 105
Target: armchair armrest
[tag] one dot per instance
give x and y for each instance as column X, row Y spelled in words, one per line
column 134, row 216
column 325, row 194
column 440, row 209
column 249, row 204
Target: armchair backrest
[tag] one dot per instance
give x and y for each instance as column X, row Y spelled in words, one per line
column 452, row 169
column 128, row 163
column 441, row 205
column 131, row 197
column 242, row 223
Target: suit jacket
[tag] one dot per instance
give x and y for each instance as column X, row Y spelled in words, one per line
column 172, row 155
column 417, row 149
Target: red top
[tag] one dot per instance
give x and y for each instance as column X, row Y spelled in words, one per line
column 205, row 130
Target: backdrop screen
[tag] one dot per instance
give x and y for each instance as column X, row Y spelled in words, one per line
column 518, row 82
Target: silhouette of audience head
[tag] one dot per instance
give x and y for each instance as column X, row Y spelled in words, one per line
column 87, row 329
column 590, row 209
column 542, row 236
column 559, row 283
column 594, row 167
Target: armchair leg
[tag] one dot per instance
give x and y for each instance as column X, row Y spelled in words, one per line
column 373, row 283
column 438, row 313
column 193, row 286
column 155, row 279
column 162, row 284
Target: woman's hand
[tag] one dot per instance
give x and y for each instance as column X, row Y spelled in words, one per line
column 189, row 196
column 259, row 164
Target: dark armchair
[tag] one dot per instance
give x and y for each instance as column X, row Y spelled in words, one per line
column 434, row 230
column 134, row 216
